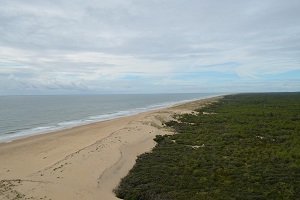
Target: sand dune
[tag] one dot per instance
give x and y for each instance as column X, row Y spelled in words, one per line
column 85, row 162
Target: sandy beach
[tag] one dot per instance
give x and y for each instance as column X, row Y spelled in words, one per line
column 85, row 162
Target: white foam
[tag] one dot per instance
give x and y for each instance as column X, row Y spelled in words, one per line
column 91, row 119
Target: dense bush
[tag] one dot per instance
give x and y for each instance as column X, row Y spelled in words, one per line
column 248, row 149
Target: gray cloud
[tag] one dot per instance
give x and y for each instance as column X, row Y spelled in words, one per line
column 90, row 45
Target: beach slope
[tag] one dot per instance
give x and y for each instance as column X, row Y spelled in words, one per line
column 85, row 162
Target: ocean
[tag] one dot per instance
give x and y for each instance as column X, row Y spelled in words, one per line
column 23, row 116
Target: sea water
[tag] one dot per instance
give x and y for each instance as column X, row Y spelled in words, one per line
column 22, row 116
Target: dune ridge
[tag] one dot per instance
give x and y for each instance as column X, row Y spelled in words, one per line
column 85, row 162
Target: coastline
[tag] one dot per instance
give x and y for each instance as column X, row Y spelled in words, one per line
column 64, row 125
column 82, row 162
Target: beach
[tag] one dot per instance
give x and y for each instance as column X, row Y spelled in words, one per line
column 85, row 162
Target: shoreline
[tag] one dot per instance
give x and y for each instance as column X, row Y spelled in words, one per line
column 84, row 162
column 35, row 131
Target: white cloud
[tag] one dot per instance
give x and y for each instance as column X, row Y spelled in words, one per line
column 92, row 45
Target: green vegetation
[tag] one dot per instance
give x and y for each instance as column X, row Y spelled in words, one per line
column 248, row 147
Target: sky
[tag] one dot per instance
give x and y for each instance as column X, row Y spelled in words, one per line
column 149, row 46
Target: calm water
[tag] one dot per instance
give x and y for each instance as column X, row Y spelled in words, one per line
column 28, row 115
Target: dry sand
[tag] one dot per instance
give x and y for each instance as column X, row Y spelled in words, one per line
column 85, row 162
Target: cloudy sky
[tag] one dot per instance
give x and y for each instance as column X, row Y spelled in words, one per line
column 149, row 46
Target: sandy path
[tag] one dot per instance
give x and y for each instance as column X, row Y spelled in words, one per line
column 85, row 162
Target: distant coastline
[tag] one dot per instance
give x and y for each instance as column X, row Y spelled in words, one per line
column 62, row 125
